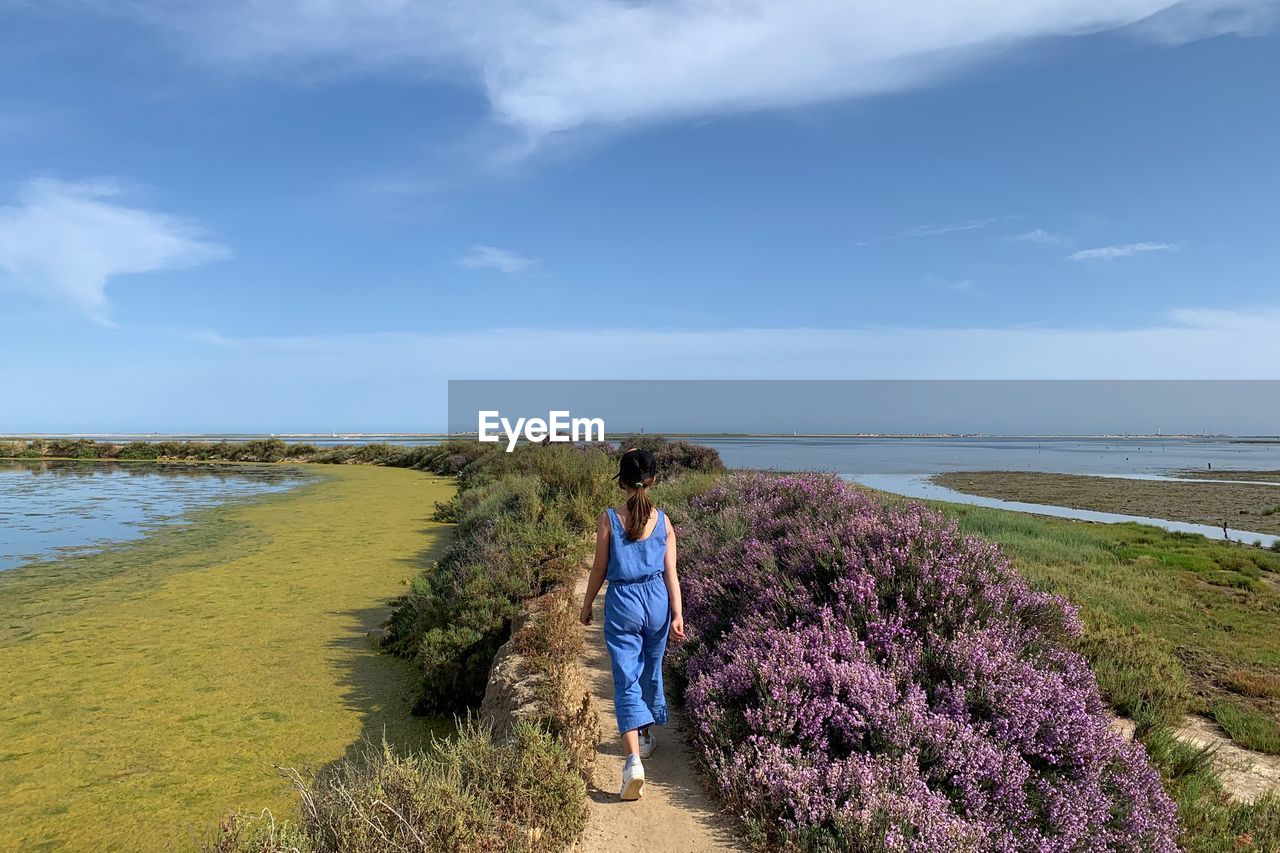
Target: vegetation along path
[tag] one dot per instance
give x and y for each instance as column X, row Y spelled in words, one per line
column 151, row 687
column 675, row 815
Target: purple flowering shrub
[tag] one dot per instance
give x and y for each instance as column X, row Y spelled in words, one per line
column 862, row 677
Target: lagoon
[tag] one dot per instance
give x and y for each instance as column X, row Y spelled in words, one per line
column 52, row 508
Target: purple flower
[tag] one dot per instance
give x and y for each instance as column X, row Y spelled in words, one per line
column 864, row 677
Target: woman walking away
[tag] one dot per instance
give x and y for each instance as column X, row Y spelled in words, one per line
column 636, row 553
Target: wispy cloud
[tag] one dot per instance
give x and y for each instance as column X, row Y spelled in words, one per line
column 64, row 241
column 963, row 285
column 929, row 231
column 1043, row 238
column 548, row 66
column 349, row 381
column 1106, row 253
column 493, row 258
column 1183, row 345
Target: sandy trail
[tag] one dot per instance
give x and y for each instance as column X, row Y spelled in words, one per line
column 1245, row 774
column 675, row 815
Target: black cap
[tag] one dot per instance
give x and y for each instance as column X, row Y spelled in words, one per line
column 635, row 467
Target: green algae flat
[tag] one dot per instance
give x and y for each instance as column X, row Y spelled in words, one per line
column 151, row 688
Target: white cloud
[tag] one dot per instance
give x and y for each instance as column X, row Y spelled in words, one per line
column 1043, row 237
column 351, row 381
column 493, row 258
column 1107, row 253
column 1190, row 344
column 554, row 65
column 929, row 231
column 65, row 241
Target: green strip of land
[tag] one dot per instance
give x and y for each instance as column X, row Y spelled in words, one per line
column 1223, row 474
column 1243, row 506
column 150, row 688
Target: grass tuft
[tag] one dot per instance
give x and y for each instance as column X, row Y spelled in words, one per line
column 1250, row 728
column 1137, row 673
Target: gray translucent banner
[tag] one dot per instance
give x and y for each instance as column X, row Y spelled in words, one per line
column 888, row 407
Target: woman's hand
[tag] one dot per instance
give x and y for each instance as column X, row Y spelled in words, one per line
column 677, row 626
column 585, row 615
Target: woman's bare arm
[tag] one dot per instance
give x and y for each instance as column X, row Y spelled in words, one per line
column 598, row 567
column 672, row 579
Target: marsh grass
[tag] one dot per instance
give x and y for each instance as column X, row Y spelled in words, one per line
column 1150, row 596
column 1209, row 503
column 1254, row 684
column 149, row 688
column 1138, row 673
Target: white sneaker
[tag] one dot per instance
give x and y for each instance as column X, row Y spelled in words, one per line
column 632, row 779
column 648, row 742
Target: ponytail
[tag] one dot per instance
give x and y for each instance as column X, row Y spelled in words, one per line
column 639, row 508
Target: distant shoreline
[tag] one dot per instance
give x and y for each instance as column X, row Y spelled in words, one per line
column 364, row 436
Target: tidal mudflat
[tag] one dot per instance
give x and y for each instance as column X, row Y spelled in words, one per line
column 1252, row 506
column 151, row 686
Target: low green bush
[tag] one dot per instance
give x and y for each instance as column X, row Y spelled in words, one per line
column 468, row 793
column 676, row 457
column 521, row 518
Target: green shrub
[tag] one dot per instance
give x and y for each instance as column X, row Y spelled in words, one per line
column 138, row 450
column 674, row 495
column 521, row 518
column 1249, row 728
column 467, row 793
column 676, row 457
column 71, row 448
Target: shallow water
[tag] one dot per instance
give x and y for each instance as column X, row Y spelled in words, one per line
column 48, row 508
column 904, row 466
column 1113, row 457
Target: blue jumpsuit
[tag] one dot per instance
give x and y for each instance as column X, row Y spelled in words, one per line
column 636, row 618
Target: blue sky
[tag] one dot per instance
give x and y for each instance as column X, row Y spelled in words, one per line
column 295, row 216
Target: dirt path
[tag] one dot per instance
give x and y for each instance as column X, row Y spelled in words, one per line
column 1245, row 774
column 675, row 815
